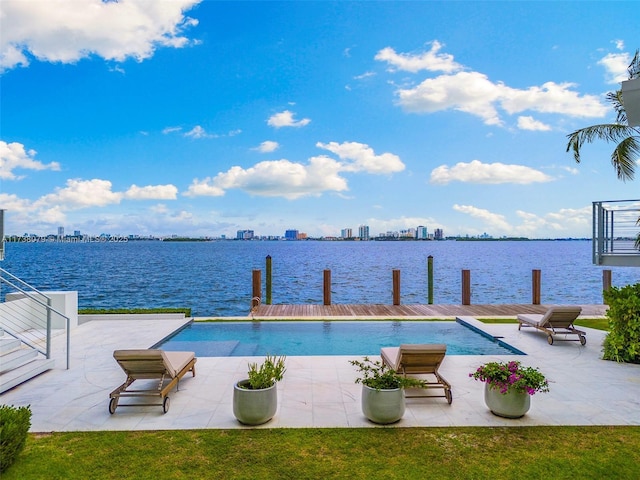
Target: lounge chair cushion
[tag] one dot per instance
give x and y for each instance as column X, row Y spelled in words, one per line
column 422, row 357
column 141, row 363
column 556, row 316
column 533, row 319
column 178, row 361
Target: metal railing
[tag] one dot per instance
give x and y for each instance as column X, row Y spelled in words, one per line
column 615, row 231
column 27, row 314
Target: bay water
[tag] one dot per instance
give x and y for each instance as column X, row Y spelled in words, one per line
column 214, row 278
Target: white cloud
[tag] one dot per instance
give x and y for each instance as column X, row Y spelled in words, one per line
column 529, row 123
column 494, row 220
column 552, row 224
column 152, row 192
column 431, row 60
column 159, row 209
column 473, row 92
column 615, row 66
column 284, row 178
column 13, row 203
column 198, row 132
column 277, row 178
column 51, row 210
column 285, row 119
column 572, row 170
column 361, row 158
column 267, row 146
column 13, row 156
column 78, row 194
column 572, row 219
column 205, row 187
column 551, row 98
column 364, row 76
column 82, row 194
column 487, row 173
column 67, row 31
column 469, row 92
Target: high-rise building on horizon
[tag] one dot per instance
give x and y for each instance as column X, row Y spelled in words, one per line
column 437, row 234
column 421, row 233
column 244, row 234
column 291, row 235
column 363, row 232
column 346, row 233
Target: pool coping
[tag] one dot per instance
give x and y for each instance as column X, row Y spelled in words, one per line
column 474, row 324
column 469, row 322
column 319, row 392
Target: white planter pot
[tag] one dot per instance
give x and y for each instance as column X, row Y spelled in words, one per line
column 508, row 405
column 254, row 407
column 383, row 406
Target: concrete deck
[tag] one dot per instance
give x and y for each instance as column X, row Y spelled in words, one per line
column 320, row 391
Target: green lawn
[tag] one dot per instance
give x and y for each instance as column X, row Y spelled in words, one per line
column 363, row 453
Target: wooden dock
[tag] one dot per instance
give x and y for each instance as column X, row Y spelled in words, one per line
column 416, row 311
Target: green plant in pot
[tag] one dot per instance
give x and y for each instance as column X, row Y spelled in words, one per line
column 255, row 399
column 383, row 398
column 509, row 386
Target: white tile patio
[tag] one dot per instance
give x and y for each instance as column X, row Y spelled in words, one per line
column 319, row 391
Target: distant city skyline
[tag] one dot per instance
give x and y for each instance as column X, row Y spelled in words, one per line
column 201, row 118
column 419, row 233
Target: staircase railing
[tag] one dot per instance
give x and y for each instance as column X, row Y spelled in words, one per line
column 29, row 316
column 615, row 230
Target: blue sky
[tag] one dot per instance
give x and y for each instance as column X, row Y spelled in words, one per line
column 203, row 118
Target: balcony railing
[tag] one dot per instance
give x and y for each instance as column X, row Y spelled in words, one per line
column 615, row 231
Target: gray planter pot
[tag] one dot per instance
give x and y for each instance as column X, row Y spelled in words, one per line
column 508, row 405
column 254, row 407
column 383, row 406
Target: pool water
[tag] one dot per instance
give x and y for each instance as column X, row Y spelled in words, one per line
column 237, row 339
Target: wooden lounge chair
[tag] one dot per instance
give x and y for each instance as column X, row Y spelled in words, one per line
column 419, row 359
column 166, row 367
column 556, row 321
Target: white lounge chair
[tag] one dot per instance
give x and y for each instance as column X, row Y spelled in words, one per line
column 556, row 321
column 421, row 359
column 151, row 365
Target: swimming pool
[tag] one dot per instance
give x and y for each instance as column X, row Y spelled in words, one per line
column 237, row 339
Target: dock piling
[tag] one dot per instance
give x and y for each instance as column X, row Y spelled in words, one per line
column 268, row 280
column 466, row 287
column 430, row 279
column 536, row 284
column 327, row 287
column 256, row 294
column 396, row 287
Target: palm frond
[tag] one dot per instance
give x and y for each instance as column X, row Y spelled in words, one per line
column 615, row 98
column 634, row 67
column 609, row 132
column 624, row 158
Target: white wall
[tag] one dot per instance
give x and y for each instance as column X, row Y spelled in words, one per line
column 24, row 313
